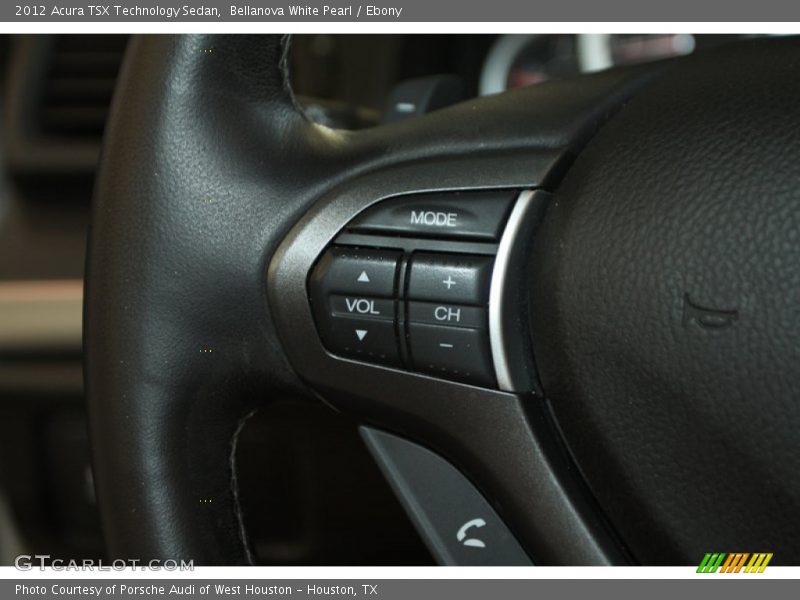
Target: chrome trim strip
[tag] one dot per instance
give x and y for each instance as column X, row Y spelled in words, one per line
column 497, row 291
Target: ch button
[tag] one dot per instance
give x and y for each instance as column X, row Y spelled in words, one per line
column 456, row 352
column 453, row 315
column 451, row 278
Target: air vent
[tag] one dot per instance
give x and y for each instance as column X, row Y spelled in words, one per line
column 59, row 95
column 79, row 83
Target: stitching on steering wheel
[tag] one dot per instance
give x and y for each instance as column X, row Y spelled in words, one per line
column 237, row 508
column 283, row 65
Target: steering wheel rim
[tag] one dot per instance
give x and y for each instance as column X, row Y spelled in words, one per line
column 199, row 214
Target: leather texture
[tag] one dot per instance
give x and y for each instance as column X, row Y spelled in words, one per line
column 207, row 162
column 666, row 309
column 180, row 225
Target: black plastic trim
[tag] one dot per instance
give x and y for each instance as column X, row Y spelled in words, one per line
column 444, row 505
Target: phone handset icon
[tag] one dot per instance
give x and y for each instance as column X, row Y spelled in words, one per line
column 461, row 536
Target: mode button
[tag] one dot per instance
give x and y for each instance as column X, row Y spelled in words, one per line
column 468, row 215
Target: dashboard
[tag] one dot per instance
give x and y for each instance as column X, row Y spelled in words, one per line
column 520, row 60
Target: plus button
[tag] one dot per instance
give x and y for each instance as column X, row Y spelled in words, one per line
column 449, row 282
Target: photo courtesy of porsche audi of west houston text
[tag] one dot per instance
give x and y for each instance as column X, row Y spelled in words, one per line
column 191, row 589
column 186, row 11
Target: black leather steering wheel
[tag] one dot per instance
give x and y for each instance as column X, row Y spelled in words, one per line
column 653, row 304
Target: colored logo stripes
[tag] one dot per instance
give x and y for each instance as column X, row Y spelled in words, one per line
column 734, row 562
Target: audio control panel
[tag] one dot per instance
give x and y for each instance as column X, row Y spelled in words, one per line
column 407, row 284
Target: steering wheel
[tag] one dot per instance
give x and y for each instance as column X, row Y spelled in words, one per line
column 628, row 243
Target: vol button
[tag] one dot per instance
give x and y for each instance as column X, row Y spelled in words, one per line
column 369, row 339
column 379, row 308
column 355, row 271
